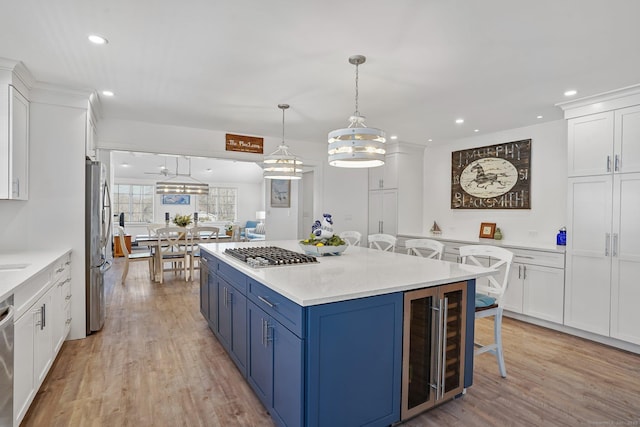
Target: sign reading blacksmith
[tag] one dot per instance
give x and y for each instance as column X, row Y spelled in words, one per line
column 492, row 177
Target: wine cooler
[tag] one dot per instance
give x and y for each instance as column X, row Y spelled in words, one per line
column 433, row 354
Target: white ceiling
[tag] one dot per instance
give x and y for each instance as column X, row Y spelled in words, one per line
column 225, row 65
column 213, row 171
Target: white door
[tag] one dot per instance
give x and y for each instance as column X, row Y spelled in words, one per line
column 627, row 140
column 588, row 272
column 383, row 212
column 625, row 288
column 543, row 296
column 591, row 144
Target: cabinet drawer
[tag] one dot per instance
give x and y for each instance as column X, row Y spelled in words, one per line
column 285, row 311
column 233, row 276
column 545, row 259
column 212, row 262
column 31, row 290
column 62, row 268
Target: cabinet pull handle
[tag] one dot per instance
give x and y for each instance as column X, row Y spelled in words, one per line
column 616, row 163
column 519, row 272
column 525, row 257
column 60, row 270
column 608, row 163
column 42, row 316
column 607, row 242
column 524, row 272
column 614, row 248
column 266, row 301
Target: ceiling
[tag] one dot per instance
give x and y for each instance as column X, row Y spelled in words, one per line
column 213, row 171
column 225, row 65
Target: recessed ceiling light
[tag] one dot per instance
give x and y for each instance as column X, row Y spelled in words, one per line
column 459, row 121
column 107, row 93
column 209, row 170
column 570, row 92
column 394, row 137
column 476, row 130
column 538, row 117
column 430, row 140
column 94, row 38
column 124, row 164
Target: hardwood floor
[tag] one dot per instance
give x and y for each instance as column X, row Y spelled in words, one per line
column 156, row 363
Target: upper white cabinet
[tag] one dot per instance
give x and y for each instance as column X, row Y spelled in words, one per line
column 604, row 142
column 385, row 176
column 14, row 135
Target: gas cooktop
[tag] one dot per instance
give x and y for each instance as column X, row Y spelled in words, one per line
column 268, row 256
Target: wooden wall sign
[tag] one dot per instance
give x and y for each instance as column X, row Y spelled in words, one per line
column 492, row 177
column 245, row 144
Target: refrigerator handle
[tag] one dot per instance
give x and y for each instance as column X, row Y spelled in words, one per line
column 106, row 265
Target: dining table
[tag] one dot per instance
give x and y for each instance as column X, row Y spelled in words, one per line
column 152, row 243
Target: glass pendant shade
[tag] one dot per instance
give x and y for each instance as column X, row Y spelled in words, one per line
column 281, row 164
column 356, row 146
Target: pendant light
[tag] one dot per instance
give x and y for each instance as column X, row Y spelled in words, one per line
column 189, row 185
column 356, row 146
column 281, row 164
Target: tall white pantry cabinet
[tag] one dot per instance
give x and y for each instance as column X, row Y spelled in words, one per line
column 602, row 287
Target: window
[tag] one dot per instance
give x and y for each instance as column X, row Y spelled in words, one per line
column 136, row 201
column 221, row 203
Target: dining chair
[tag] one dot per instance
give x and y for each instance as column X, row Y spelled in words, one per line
column 490, row 294
column 172, row 248
column 204, row 234
column 351, row 237
column 132, row 257
column 383, row 242
column 427, row 248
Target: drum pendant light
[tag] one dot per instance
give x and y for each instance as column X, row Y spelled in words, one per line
column 281, row 164
column 356, row 146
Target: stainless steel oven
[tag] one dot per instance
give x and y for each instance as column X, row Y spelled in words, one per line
column 6, row 362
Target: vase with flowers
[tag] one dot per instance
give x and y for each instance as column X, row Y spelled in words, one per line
column 228, row 228
column 182, row 220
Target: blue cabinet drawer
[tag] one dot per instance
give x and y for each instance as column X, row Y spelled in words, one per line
column 285, row 311
column 233, row 276
column 212, row 262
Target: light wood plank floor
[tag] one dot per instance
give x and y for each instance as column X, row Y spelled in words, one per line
column 156, row 363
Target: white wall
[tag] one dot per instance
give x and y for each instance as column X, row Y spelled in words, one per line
column 548, row 187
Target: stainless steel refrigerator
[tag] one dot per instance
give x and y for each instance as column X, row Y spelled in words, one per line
column 97, row 237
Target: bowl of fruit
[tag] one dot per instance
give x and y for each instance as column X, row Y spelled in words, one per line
column 320, row 247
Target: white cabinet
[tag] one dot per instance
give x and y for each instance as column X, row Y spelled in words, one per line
column 383, row 212
column 385, row 176
column 605, row 142
column 603, row 232
column 603, row 256
column 14, row 144
column 42, row 324
column 394, row 189
column 536, row 285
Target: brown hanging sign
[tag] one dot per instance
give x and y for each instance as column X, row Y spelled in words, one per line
column 492, row 177
column 245, row 144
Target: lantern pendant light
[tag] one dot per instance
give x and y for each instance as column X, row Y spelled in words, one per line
column 356, row 146
column 281, row 164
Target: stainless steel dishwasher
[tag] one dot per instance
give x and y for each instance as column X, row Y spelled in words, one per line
column 6, row 362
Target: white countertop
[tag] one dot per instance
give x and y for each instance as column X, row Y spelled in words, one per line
column 534, row 246
column 36, row 260
column 358, row 272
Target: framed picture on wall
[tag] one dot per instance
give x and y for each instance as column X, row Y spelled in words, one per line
column 176, row 199
column 280, row 193
column 487, row 230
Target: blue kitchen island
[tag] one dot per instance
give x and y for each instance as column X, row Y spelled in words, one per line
column 330, row 343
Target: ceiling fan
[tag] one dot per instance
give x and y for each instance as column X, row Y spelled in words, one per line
column 165, row 171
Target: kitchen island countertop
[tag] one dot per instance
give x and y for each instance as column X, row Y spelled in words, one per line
column 357, row 273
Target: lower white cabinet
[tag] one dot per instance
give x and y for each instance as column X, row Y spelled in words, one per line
column 42, row 325
column 536, row 287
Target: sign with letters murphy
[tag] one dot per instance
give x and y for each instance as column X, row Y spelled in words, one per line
column 492, row 177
